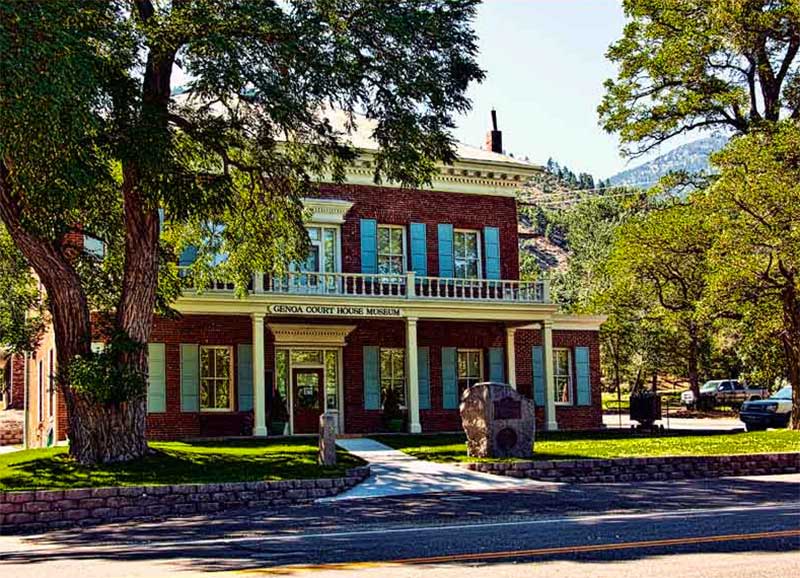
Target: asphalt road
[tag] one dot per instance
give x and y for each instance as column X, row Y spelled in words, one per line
column 728, row 527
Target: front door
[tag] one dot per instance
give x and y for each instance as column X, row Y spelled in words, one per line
column 308, row 400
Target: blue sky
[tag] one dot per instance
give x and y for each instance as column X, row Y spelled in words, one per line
column 545, row 66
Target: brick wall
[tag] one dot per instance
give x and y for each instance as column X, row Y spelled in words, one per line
column 229, row 330
column 568, row 417
column 403, row 206
column 14, row 376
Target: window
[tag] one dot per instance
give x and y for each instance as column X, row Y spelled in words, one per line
column 470, row 368
column 215, row 378
column 391, row 249
column 94, row 247
column 467, row 254
column 393, row 375
column 51, row 385
column 562, row 373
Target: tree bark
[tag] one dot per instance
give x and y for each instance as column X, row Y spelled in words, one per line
column 692, row 365
column 791, row 346
column 98, row 433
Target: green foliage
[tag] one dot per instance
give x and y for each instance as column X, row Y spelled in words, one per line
column 687, row 64
column 102, row 377
column 20, row 303
column 755, row 258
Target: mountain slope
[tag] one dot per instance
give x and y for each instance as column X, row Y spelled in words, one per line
column 691, row 157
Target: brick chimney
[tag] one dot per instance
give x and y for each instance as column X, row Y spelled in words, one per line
column 494, row 138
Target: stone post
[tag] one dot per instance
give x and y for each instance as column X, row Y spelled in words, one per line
column 327, row 439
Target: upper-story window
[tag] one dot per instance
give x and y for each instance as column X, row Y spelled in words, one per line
column 323, row 254
column 391, row 249
column 467, row 254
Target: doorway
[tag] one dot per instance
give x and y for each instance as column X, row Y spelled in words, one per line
column 308, row 397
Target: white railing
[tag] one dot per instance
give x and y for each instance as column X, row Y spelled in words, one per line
column 404, row 286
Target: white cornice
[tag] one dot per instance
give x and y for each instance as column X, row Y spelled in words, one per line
column 309, row 334
column 472, row 177
column 331, row 211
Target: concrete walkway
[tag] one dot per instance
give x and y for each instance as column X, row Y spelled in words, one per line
column 395, row 473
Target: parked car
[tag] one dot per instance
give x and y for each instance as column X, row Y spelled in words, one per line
column 772, row 412
column 722, row 392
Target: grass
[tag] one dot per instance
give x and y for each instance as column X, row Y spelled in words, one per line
column 581, row 445
column 173, row 463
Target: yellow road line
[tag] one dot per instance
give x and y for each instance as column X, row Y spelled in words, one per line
column 480, row 556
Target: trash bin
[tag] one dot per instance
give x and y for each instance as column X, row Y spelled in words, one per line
column 645, row 408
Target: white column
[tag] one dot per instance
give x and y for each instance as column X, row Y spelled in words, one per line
column 412, row 375
column 549, row 377
column 511, row 357
column 259, row 385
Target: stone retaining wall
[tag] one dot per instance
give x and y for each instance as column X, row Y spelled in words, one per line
column 643, row 469
column 34, row 511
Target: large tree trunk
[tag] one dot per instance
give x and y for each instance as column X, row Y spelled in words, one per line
column 693, row 365
column 97, row 433
column 791, row 345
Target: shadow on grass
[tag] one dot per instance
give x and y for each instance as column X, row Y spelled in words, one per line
column 173, row 463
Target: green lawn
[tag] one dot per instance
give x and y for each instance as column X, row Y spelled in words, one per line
column 173, row 463
column 581, row 445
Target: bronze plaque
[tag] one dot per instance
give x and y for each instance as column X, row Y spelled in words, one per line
column 507, row 408
column 506, row 439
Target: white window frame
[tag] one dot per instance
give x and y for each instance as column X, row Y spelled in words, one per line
column 320, row 245
column 478, row 240
column 403, row 244
column 404, row 386
column 215, row 379
column 569, row 376
column 458, row 367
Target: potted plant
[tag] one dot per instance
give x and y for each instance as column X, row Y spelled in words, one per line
column 279, row 417
column 392, row 413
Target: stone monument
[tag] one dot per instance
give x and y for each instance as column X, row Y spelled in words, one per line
column 327, row 439
column 498, row 421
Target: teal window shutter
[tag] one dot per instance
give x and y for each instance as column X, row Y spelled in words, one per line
column 190, row 377
column 582, row 376
column 372, row 382
column 491, row 242
column 369, row 246
column 244, row 371
column 419, row 249
column 449, row 378
column 188, row 256
column 497, row 365
column 446, row 266
column 156, row 378
column 538, row 375
column 424, row 377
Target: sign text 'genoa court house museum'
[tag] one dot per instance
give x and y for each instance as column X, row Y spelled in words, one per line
column 412, row 294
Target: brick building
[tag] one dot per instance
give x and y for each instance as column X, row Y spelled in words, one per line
column 407, row 297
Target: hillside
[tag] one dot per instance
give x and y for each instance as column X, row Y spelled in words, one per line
column 691, row 157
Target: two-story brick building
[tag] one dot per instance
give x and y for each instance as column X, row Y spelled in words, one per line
column 407, row 294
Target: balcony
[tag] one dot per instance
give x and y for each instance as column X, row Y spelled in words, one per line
column 404, row 286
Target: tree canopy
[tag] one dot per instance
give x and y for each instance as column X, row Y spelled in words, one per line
column 94, row 144
column 694, row 64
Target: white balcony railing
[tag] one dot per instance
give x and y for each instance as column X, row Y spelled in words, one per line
column 403, row 286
